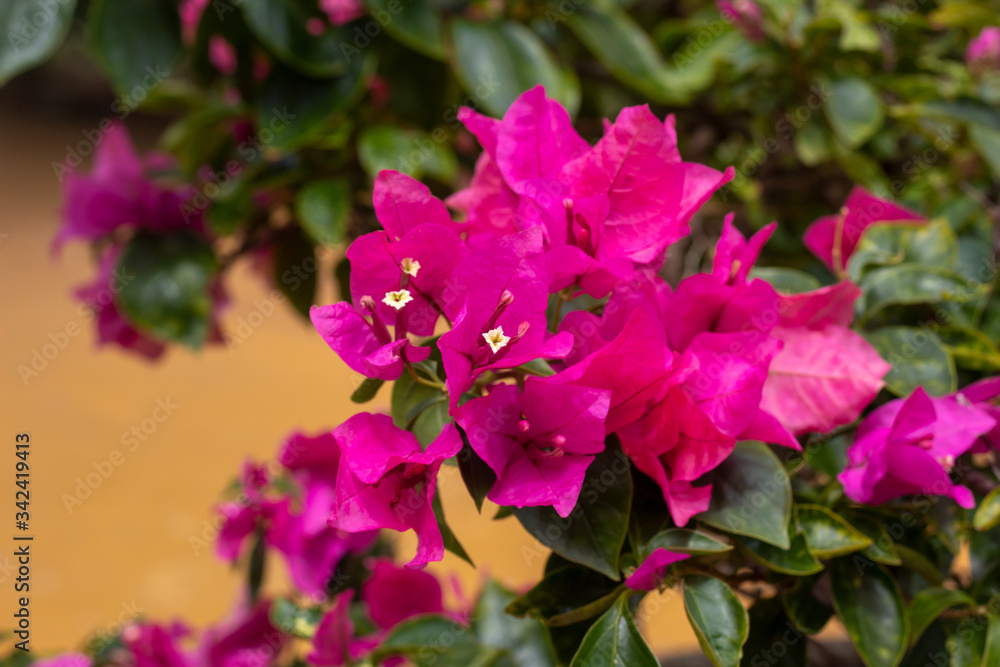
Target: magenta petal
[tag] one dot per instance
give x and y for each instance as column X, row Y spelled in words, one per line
column 334, row 635
column 651, row 571
column 394, row 594
column 402, row 203
column 833, row 304
column 491, row 425
column 555, row 482
column 65, row 660
column 350, row 335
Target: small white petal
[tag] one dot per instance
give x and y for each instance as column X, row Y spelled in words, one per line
column 397, row 299
column 496, row 339
column 410, row 266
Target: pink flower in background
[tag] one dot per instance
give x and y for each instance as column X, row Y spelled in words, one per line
column 247, row 639
column 222, row 54
column 118, row 192
column 910, row 445
column 746, row 15
column 65, row 660
column 539, row 442
column 334, row 643
column 387, row 480
column 339, row 12
column 394, row 594
column 157, row 645
column 190, row 12
column 833, row 238
column 983, row 53
column 651, row 571
column 983, row 395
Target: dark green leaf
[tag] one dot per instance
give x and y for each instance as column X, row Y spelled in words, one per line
column 918, row 359
column 138, row 42
column 929, row 603
column 854, row 109
column 991, row 652
column 870, row 605
column 410, row 151
column 323, row 208
column 966, row 642
column 919, row 563
column 294, row 620
column 167, row 285
column 828, row 534
column 751, row 495
column 909, row 284
column 431, row 421
column 930, row 244
column 685, row 541
column 296, row 269
column 258, row 561
column 281, row 26
column 427, row 639
column 496, row 62
column 614, row 640
column 970, row 348
column 774, row 640
column 28, row 41
column 882, row 549
column 415, row 23
column 593, row 534
column 786, row 281
column 525, row 640
column 719, row 620
column 451, row 542
column 366, row 390
column 796, row 560
column 409, row 399
column 567, row 595
column 806, row 612
column 988, row 514
column 986, row 141
column 477, row 475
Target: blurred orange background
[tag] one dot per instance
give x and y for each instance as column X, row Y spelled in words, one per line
column 131, row 546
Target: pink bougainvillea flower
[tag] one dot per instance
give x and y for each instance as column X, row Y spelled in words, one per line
column 909, row 446
column 363, row 341
column 65, row 660
column 339, row 12
column 489, row 205
column 539, row 442
column 112, row 327
column 119, row 193
column 403, row 203
column 833, row 238
column 983, row 52
column 222, row 54
column 190, row 13
column 650, row 572
column 387, row 480
column 247, row 639
column 825, row 374
column 497, row 300
column 334, row 643
column 983, row 395
column 156, row 645
column 746, row 15
column 735, row 256
column 394, row 594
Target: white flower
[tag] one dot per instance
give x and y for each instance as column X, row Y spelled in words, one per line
column 398, row 299
column 496, row 339
column 410, row 266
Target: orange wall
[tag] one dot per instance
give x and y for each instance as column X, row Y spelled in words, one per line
column 127, row 546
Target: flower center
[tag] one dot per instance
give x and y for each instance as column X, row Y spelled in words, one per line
column 495, row 339
column 397, row 299
column 410, row 266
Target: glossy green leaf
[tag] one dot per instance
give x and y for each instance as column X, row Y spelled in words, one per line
column 796, row 560
column 410, row 151
column 929, row 604
column 167, row 281
column 970, row 348
column 786, row 281
column 566, row 595
column 451, row 542
column 366, row 390
column 479, row 478
column 991, row 652
column 854, row 109
column 965, row 642
column 988, row 513
column 410, row 399
column 296, row 269
column 812, row 144
column 883, row 548
column 806, row 612
column 828, row 534
column 751, row 495
column 497, row 61
column 615, row 640
column 428, row 640
column 930, row 244
column 918, row 359
column 719, row 620
column 870, row 605
column 909, row 284
column 281, row 26
column 323, row 208
column 136, row 61
column 294, row 620
column 525, row 640
column 594, row 532
column 685, row 541
column 774, row 640
column 919, row 563
column 27, row 41
column 415, row 23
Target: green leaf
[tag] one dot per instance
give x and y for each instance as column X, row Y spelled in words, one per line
column 930, row 603
column 685, row 541
column 919, row 563
column 827, row 534
column 415, row 23
column 786, row 281
column 965, row 643
column 410, row 151
column 909, row 284
column 719, row 620
column 854, row 109
column 497, row 61
column 288, row 617
column 135, row 60
column 870, row 605
column 774, row 640
column 991, row 653
column 525, row 640
column 29, row 42
column 427, row 639
column 409, row 399
column 806, row 612
column 988, row 514
column 167, row 280
column 986, row 141
column 812, row 144
column 970, row 348
column 281, row 26
column 594, row 532
column 882, row 549
column 451, row 542
column 930, row 244
column 366, row 390
column 431, row 421
column 796, row 560
column 479, row 478
column 918, row 358
column 257, row 565
column 567, row 595
column 751, row 495
column 625, row 49
column 615, row 640
column 323, row 208
column 296, row 269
